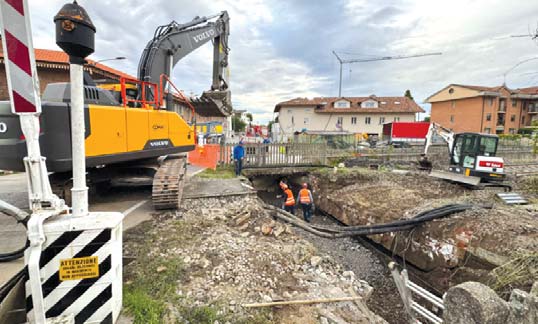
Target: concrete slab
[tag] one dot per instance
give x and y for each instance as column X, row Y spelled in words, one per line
column 216, row 188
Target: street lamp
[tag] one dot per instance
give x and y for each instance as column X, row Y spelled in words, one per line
column 108, row 59
column 515, row 66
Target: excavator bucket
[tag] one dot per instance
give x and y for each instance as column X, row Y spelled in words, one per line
column 213, row 103
column 456, row 177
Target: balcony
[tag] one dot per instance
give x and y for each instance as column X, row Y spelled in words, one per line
column 501, row 110
column 500, row 122
column 533, row 110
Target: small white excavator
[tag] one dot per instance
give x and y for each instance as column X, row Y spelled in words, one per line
column 472, row 158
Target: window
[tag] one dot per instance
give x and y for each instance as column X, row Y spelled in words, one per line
column 396, row 119
column 453, row 104
column 292, row 120
column 367, row 120
column 514, row 103
column 512, row 130
column 289, row 111
column 451, row 118
column 487, row 130
column 381, row 120
column 513, row 118
column 306, row 120
column 339, row 122
column 488, row 117
column 490, row 101
column 488, row 146
column 522, row 120
column 451, row 90
column 353, row 120
column 341, row 104
column 308, row 110
column 396, row 102
column 369, row 104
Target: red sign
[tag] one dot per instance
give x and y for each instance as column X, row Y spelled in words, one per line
column 491, row 164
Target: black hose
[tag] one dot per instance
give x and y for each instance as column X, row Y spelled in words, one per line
column 418, row 219
column 10, row 256
column 22, row 218
column 345, row 231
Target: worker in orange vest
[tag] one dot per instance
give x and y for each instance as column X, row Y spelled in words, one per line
column 307, row 202
column 289, row 202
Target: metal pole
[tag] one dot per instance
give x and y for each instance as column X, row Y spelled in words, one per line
column 78, row 130
column 340, row 85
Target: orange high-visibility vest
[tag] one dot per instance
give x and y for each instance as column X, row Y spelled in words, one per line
column 290, row 201
column 304, row 196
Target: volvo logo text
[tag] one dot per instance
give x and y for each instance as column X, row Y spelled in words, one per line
column 3, row 127
column 204, row 35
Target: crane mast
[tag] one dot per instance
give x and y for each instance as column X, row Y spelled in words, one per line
column 382, row 58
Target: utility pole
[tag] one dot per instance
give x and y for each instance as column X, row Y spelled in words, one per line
column 383, row 58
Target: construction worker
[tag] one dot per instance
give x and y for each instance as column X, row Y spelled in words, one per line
column 239, row 156
column 307, row 202
column 289, row 202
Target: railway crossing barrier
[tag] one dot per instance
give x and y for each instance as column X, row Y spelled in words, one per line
column 74, row 261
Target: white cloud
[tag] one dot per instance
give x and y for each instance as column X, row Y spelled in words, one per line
column 281, row 50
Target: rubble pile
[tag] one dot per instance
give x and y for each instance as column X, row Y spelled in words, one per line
column 233, row 253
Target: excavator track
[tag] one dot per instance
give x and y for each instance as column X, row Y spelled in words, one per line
column 168, row 183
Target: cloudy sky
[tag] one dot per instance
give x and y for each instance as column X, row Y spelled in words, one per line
column 283, row 49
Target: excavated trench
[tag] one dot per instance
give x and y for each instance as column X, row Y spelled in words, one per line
column 361, row 256
column 439, row 254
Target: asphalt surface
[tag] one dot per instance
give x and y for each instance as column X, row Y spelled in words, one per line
column 133, row 201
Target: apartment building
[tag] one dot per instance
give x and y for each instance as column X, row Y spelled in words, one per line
column 492, row 110
column 344, row 114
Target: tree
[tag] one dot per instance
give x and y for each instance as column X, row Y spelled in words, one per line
column 271, row 123
column 249, row 117
column 427, row 118
column 238, row 125
column 408, row 94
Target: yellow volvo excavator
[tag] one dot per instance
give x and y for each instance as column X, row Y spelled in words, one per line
column 132, row 129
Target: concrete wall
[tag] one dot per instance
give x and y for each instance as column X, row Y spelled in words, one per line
column 295, row 119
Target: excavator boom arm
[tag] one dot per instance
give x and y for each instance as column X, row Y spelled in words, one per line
column 174, row 41
column 436, row 129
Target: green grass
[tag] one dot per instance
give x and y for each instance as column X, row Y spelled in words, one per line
column 222, row 172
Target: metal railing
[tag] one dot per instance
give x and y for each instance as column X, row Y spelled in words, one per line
column 305, row 154
column 407, row 288
column 275, row 155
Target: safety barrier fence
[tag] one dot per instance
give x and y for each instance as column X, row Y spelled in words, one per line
column 408, row 289
column 304, row 154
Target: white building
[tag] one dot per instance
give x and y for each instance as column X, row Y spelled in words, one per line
column 345, row 114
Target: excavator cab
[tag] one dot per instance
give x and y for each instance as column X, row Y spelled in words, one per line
column 474, row 154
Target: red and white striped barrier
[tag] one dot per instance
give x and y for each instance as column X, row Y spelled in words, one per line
column 22, row 80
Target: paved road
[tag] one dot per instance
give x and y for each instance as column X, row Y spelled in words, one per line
column 134, row 202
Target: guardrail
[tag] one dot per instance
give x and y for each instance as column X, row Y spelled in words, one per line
column 274, row 155
column 305, row 154
column 407, row 288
